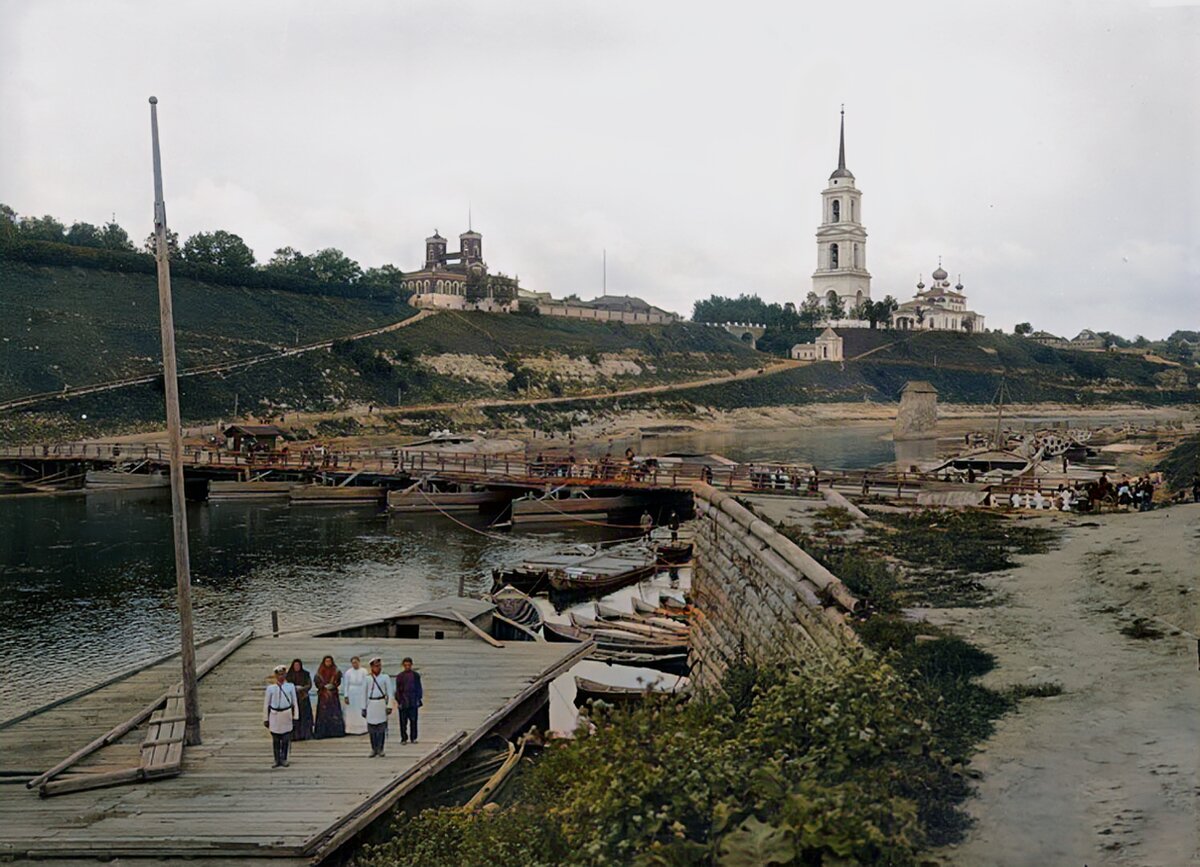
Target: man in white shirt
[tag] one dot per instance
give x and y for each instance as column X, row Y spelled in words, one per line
column 280, row 710
column 354, row 687
column 379, row 705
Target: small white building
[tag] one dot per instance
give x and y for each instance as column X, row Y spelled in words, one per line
column 937, row 308
column 827, row 347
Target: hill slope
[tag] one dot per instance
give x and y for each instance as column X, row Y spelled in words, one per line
column 65, row 326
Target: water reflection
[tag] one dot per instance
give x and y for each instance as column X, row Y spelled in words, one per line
column 88, row 582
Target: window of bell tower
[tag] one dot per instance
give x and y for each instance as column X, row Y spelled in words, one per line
column 837, row 210
column 833, row 255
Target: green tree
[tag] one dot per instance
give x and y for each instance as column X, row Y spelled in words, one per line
column 84, row 235
column 113, row 237
column 881, row 311
column 151, row 244
column 477, row 287
column 810, row 310
column 41, row 229
column 331, row 265
column 220, row 248
column 288, row 260
column 8, row 222
column 835, row 308
column 1022, row 328
column 384, row 275
column 1140, row 342
column 503, row 289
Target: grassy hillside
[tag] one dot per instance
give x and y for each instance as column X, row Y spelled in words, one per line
column 75, row 326
column 64, row 326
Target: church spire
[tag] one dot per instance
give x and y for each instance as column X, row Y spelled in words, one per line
column 841, row 171
column 842, row 141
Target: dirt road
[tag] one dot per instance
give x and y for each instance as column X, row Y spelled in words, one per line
column 1106, row 773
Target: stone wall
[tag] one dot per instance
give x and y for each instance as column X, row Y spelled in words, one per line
column 579, row 311
column 757, row 593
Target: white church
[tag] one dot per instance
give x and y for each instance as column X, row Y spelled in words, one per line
column 842, row 265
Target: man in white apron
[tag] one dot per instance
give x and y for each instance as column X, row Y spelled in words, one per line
column 379, row 706
column 280, row 710
column 354, row 686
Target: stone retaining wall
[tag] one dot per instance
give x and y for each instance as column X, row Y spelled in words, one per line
column 758, row 593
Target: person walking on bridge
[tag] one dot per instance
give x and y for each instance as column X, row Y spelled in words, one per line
column 409, row 698
column 281, row 709
column 379, row 706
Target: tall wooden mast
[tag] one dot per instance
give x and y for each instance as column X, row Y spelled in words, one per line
column 183, row 569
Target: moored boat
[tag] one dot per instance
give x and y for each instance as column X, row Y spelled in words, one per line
column 587, row 690
column 517, row 617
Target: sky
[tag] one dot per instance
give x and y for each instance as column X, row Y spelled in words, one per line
column 1044, row 150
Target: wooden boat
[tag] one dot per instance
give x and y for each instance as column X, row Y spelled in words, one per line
column 674, row 553
column 332, row 494
column 604, row 571
column 606, row 643
column 529, row 580
column 419, row 500
column 557, row 509
column 622, row 628
column 608, row 614
column 517, row 617
column 255, row 490
column 115, row 480
column 668, row 663
column 592, row 690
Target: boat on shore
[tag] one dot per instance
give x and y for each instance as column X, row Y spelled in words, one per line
column 580, row 570
column 517, row 617
column 587, row 690
column 674, row 553
column 610, row 640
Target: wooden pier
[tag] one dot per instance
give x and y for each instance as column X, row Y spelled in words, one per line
column 227, row 805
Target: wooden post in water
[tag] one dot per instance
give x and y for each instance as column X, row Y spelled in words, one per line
column 183, row 570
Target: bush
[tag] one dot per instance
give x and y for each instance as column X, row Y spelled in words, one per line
column 817, row 765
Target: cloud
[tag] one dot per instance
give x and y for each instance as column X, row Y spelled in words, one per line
column 1028, row 144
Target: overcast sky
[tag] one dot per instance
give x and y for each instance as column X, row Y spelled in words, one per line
column 1047, row 151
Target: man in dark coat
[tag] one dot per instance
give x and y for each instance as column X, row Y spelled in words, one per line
column 409, row 696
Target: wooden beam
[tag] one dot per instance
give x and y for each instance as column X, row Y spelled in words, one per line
column 119, row 731
column 471, row 626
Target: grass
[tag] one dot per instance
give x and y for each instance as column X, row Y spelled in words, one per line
column 74, row 326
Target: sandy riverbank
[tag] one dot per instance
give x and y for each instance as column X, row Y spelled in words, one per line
column 1107, row 772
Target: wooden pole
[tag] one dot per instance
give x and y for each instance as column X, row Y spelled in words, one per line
column 183, row 571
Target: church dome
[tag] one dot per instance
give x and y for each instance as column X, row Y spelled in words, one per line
column 958, row 287
column 940, row 274
column 841, row 172
column 920, row 284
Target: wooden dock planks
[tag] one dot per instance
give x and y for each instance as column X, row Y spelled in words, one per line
column 228, row 802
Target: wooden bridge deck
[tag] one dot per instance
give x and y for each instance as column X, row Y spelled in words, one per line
column 228, row 804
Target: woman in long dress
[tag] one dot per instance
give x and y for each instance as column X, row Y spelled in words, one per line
column 302, row 680
column 329, row 706
column 354, row 691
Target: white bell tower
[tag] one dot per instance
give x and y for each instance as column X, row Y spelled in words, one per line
column 841, row 238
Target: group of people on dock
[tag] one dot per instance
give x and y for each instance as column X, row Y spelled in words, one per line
column 1091, row 496
column 368, row 696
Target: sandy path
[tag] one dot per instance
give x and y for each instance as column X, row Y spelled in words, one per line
column 1106, row 773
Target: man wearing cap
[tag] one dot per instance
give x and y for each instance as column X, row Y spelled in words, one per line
column 280, row 709
column 379, row 705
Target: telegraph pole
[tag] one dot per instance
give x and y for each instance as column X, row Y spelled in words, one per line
column 183, row 571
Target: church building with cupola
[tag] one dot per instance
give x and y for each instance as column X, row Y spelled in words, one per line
column 841, row 238
column 938, row 307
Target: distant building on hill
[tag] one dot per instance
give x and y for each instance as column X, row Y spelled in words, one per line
column 1045, row 338
column 609, row 308
column 939, row 307
column 1087, row 339
column 458, row 280
column 841, row 238
column 827, row 347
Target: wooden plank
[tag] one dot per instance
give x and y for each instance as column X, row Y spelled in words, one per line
column 471, row 626
column 119, row 731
